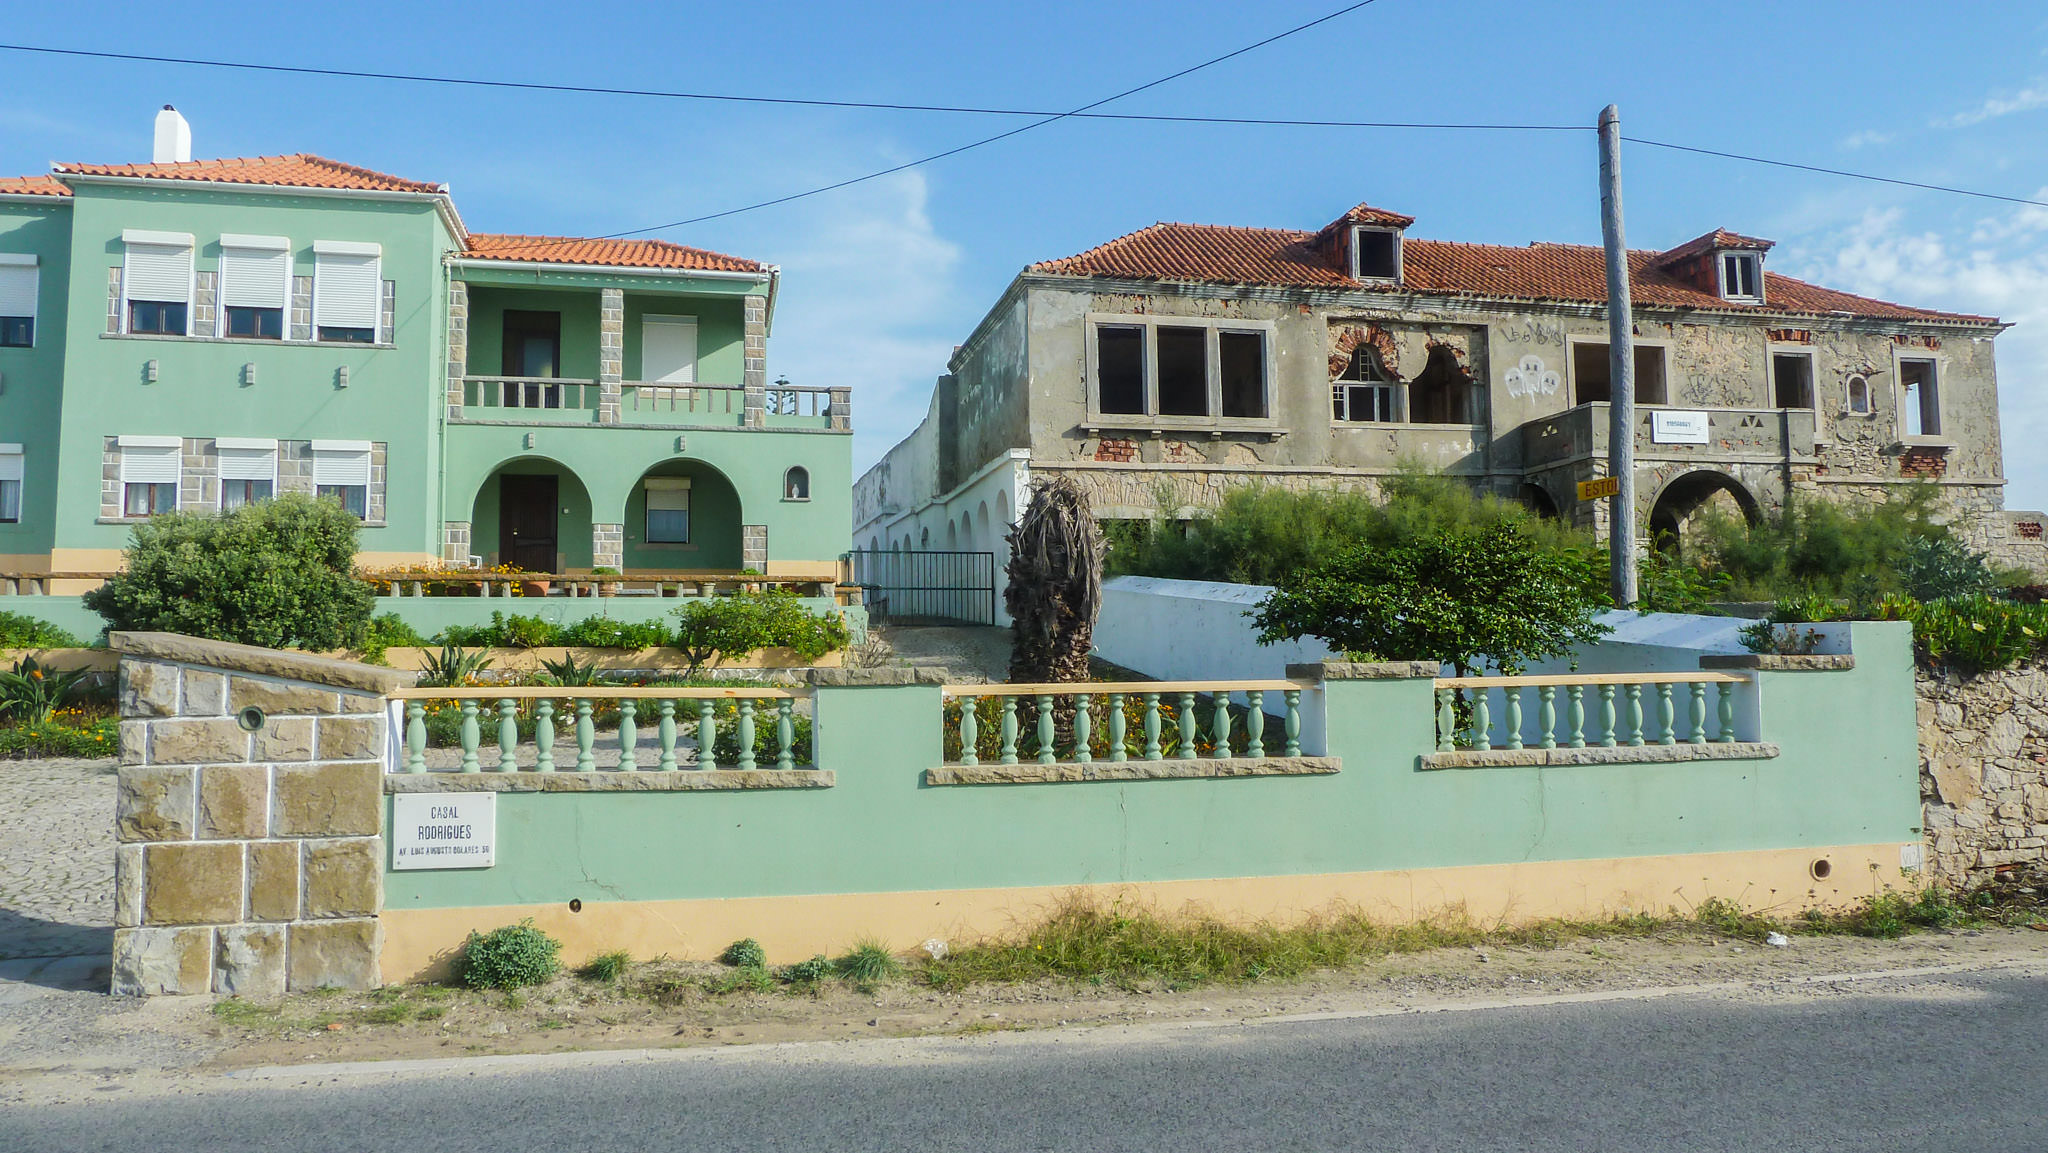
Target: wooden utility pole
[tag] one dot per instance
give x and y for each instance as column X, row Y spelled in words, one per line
column 1621, row 351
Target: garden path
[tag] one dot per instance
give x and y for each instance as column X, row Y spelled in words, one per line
column 56, row 858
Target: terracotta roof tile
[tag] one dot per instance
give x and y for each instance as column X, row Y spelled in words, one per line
column 614, row 253
column 32, row 186
column 1562, row 272
column 300, row 170
column 1718, row 238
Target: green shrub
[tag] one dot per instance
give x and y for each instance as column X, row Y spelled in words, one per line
column 569, row 674
column 1260, row 534
column 605, row 633
column 608, row 967
column 807, row 972
column 278, row 573
column 504, row 632
column 1974, row 634
column 737, row 626
column 1779, row 639
column 867, row 962
column 509, row 957
column 1845, row 552
column 389, row 631
column 745, row 953
column 20, row 632
column 1461, row 597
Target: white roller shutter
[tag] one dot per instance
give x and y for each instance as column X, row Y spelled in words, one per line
column 347, row 280
column 255, row 271
column 159, row 266
column 341, row 462
column 150, row 459
column 18, row 283
column 10, row 462
column 247, row 459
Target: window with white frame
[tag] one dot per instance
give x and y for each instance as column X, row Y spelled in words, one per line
column 1742, row 276
column 1366, row 392
column 348, row 280
column 1792, row 379
column 156, row 281
column 10, row 483
column 1375, row 253
column 1857, row 398
column 19, row 281
column 668, row 510
column 341, row 472
column 1920, row 397
column 1188, row 369
column 248, row 470
column 150, row 468
column 255, row 283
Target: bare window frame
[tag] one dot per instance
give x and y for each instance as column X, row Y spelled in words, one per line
column 1772, row 353
column 1356, row 273
column 1926, row 403
column 1572, row 344
column 1151, row 418
column 1755, row 259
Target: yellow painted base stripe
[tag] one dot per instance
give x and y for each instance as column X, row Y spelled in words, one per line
column 419, row 942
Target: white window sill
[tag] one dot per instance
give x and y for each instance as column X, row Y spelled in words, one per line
column 1399, row 425
column 134, row 520
column 1943, row 443
column 174, row 338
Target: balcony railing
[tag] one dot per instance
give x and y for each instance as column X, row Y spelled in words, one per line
column 1576, row 711
column 1774, row 433
column 1137, row 721
column 641, row 402
column 524, row 724
column 551, row 399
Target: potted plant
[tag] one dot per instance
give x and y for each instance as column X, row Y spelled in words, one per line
column 606, row 588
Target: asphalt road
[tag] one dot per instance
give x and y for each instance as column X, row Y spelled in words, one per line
column 1956, row 1062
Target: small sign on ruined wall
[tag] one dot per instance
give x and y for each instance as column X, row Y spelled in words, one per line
column 1678, row 428
column 444, row 830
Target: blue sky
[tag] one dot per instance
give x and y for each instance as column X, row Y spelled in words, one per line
column 881, row 280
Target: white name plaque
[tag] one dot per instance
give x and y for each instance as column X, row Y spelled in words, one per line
column 444, row 830
column 1678, row 428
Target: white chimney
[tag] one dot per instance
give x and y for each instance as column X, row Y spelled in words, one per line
column 173, row 137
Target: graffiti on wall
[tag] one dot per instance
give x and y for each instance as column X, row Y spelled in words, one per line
column 1532, row 377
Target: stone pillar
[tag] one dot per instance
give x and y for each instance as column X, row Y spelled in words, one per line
column 842, row 409
column 249, row 819
column 608, row 546
column 755, row 397
column 114, row 317
column 455, row 542
column 755, row 354
column 205, row 296
column 611, row 354
column 754, row 547
column 301, row 316
column 458, row 344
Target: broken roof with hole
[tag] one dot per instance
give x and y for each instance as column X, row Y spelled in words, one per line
column 1569, row 273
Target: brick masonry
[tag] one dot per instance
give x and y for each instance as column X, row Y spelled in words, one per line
column 301, row 318
column 114, row 298
column 755, row 361
column 455, row 542
column 250, row 849
column 205, row 295
column 1984, row 770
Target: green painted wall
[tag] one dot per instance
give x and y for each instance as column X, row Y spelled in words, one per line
column 1848, row 775
column 31, row 379
column 572, row 516
column 731, row 464
column 721, row 333
column 578, row 309
column 200, row 391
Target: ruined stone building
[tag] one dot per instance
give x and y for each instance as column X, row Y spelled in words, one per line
column 1165, row 366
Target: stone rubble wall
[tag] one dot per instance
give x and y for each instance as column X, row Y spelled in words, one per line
column 249, row 819
column 1984, row 770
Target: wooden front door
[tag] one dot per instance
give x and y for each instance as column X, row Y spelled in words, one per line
column 526, row 522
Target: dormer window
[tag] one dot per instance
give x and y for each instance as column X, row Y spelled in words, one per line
column 1375, row 253
column 1742, row 277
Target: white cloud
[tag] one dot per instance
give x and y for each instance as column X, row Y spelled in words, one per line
column 1999, row 268
column 2025, row 100
column 868, row 299
column 1868, row 138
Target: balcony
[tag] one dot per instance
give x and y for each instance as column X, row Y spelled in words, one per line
column 643, row 404
column 1733, row 435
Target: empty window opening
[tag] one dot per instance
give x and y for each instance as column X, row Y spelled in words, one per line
column 1741, row 276
column 796, row 484
column 1442, row 394
column 1377, row 251
column 1858, row 400
column 1366, row 392
column 1120, row 369
column 1183, row 371
column 1792, row 379
column 1241, row 356
column 1921, row 402
column 1593, row 378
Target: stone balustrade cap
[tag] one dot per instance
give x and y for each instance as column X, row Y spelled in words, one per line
column 859, row 678
column 226, row 655
column 1775, row 662
column 1365, row 670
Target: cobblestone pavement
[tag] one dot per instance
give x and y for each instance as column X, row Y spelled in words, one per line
column 56, row 858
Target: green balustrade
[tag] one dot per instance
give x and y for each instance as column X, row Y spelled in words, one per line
column 745, row 732
column 1635, row 715
column 1546, row 714
column 665, row 734
column 707, row 734
column 629, row 736
column 785, row 734
column 1665, row 715
column 1293, row 723
column 1513, row 701
column 415, row 736
column 586, row 737
column 1255, row 723
column 470, row 737
column 970, row 730
column 544, row 736
column 1186, row 722
column 1009, row 750
column 1082, row 730
column 1152, row 751
column 1046, row 753
column 1117, row 724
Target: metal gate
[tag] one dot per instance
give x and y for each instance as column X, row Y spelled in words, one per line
column 904, row 585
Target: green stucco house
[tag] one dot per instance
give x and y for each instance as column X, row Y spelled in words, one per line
column 194, row 334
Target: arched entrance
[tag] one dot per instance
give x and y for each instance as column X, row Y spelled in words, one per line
column 1689, row 500
column 532, row 513
column 683, row 515
column 1537, row 499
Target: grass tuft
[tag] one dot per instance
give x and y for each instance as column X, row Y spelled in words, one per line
column 608, row 968
column 868, row 962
